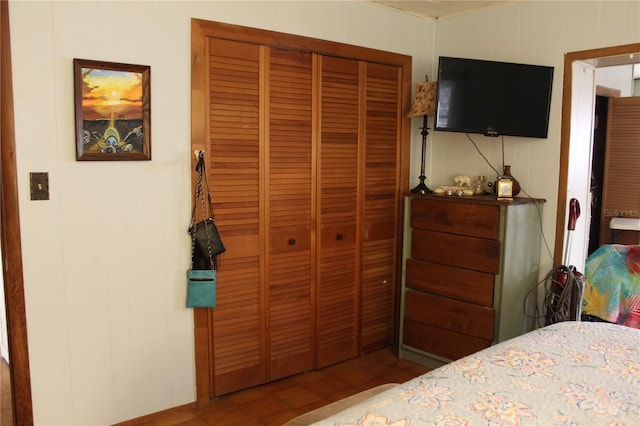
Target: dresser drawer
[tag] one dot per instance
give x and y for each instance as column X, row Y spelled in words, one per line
column 467, row 318
column 445, row 343
column 475, row 220
column 478, row 254
column 462, row 284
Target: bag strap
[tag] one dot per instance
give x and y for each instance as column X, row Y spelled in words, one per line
column 202, row 175
column 192, row 227
column 200, row 197
column 206, row 186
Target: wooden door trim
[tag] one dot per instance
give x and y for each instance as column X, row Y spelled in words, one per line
column 565, row 131
column 11, row 242
column 294, row 42
column 200, row 31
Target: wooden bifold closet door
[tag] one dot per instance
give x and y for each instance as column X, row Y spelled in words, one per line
column 339, row 205
column 260, row 157
column 359, row 150
column 305, row 160
column 621, row 186
column 381, row 195
column 289, row 193
column 237, row 344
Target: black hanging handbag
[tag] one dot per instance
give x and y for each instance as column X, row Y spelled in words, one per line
column 205, row 246
column 206, row 236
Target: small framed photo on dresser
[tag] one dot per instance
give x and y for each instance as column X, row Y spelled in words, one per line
column 505, row 189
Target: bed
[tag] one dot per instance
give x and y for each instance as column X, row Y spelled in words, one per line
column 568, row 373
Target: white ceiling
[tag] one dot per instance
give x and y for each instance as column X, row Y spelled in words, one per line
column 439, row 8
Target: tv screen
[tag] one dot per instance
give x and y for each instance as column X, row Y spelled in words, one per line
column 493, row 98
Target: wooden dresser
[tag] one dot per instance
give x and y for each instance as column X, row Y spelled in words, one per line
column 468, row 263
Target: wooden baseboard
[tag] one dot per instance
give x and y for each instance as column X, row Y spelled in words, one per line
column 179, row 414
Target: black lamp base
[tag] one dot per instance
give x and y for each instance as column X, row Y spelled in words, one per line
column 422, row 188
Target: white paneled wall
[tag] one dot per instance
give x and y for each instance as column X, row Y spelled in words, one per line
column 104, row 258
column 619, row 78
column 535, row 32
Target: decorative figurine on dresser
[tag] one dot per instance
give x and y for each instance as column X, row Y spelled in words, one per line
column 468, row 262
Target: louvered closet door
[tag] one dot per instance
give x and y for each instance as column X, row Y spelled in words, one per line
column 380, row 212
column 290, row 269
column 301, row 139
column 338, row 203
column 237, row 351
column 621, row 186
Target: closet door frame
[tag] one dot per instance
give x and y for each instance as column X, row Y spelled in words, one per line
column 201, row 30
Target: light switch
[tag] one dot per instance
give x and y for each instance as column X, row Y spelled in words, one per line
column 39, row 185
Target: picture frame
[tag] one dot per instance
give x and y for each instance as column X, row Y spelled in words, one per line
column 112, row 111
column 505, row 189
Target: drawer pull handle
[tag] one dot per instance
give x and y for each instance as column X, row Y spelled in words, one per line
column 292, row 242
column 339, row 237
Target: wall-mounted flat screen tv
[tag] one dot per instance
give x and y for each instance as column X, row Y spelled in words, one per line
column 493, row 98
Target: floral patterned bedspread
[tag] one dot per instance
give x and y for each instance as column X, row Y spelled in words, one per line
column 568, row 373
column 612, row 288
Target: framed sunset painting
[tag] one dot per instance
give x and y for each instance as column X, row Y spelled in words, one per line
column 113, row 111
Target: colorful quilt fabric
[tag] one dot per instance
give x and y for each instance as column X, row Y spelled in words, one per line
column 612, row 288
column 568, row 373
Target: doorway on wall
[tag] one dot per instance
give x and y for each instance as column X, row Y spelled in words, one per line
column 571, row 105
column 597, row 170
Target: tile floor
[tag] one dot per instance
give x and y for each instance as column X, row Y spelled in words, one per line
column 277, row 402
